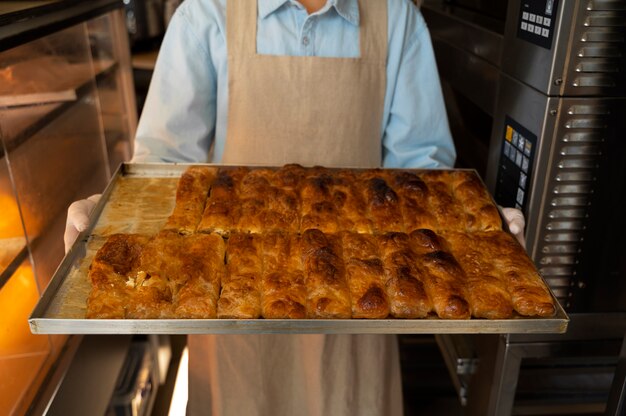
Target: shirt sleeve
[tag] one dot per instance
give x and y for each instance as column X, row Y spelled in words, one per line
column 416, row 133
column 178, row 119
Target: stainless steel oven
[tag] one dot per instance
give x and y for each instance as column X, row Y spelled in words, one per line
column 535, row 92
column 557, row 139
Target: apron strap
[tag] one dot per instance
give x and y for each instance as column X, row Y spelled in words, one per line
column 241, row 28
column 373, row 30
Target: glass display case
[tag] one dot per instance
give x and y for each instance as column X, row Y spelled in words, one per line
column 67, row 116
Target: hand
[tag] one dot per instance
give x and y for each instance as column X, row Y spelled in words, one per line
column 515, row 220
column 78, row 219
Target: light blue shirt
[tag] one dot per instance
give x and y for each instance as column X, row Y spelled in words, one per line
column 185, row 114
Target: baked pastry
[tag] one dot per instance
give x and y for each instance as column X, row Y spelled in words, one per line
column 403, row 281
column 318, row 208
column 486, row 288
column 284, row 293
column 191, row 195
column 448, row 211
column 481, row 213
column 383, row 204
column 366, row 276
column 295, row 243
column 191, row 266
column 529, row 294
column 168, row 276
column 223, row 208
column 283, row 210
column 413, row 193
column 110, row 273
column 443, row 278
column 240, row 296
column 328, row 295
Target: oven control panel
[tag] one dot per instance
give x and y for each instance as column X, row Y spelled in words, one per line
column 537, row 21
column 515, row 167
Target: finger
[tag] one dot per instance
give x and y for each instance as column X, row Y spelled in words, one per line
column 78, row 214
column 94, row 198
column 70, row 236
column 515, row 219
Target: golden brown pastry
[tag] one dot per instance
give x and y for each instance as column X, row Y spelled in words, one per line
column 190, row 266
column 349, row 203
column 365, row 274
column 383, row 205
column 109, row 274
column 328, row 295
column 443, row 278
column 223, row 207
column 482, row 214
column 318, row 208
column 486, row 287
column 191, row 195
column 321, row 243
column 447, row 210
column 284, row 293
column 289, row 176
column 529, row 293
column 404, row 285
column 240, row 296
column 283, row 210
column 253, row 200
column 413, row 193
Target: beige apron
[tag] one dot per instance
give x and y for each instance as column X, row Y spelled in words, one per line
column 305, row 109
column 308, row 110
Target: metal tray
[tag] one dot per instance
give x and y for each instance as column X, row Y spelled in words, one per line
column 139, row 199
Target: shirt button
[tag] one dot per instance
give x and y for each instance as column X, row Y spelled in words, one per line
column 305, row 40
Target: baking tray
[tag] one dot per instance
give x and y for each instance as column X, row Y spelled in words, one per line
column 139, row 199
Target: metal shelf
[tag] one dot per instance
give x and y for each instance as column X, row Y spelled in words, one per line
column 41, row 115
column 21, row 22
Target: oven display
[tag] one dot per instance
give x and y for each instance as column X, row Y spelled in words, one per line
column 516, row 161
column 537, row 21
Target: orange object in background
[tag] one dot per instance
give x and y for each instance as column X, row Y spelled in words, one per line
column 10, row 221
column 22, row 354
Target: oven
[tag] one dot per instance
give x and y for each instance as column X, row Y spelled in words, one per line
column 535, row 92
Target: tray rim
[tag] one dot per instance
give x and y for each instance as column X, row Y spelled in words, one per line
column 40, row 324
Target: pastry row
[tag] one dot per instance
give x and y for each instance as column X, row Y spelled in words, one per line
column 295, row 199
column 316, row 275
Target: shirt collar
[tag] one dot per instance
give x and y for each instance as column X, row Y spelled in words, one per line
column 348, row 9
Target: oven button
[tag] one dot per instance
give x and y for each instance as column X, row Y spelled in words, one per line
column 547, row 21
column 532, row 17
column 521, row 143
column 545, row 32
column 531, row 28
column 507, row 149
column 525, row 15
column 524, row 25
column 539, row 20
column 525, row 163
column 537, row 30
column 528, row 148
column 520, row 196
column 518, row 159
column 522, row 180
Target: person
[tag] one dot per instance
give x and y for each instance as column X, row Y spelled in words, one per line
column 317, row 82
